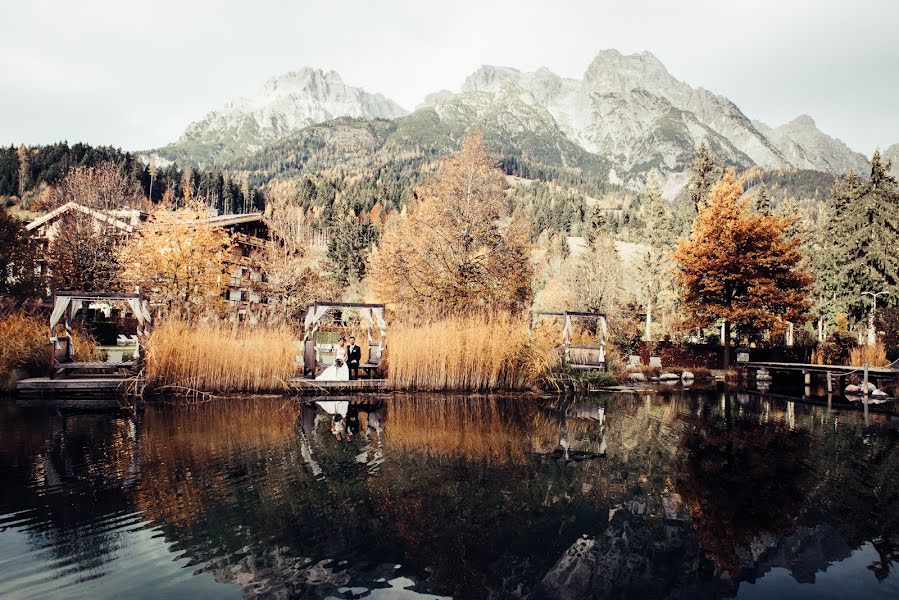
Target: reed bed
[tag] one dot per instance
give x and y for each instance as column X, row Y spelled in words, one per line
column 873, row 356
column 213, row 356
column 468, row 353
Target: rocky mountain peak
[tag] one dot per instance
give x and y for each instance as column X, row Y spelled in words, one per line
column 306, row 79
column 803, row 122
column 283, row 104
column 611, row 69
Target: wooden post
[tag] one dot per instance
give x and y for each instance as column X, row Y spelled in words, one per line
column 807, row 377
column 829, row 383
column 865, row 384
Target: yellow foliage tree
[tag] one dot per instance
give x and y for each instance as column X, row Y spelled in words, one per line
column 737, row 265
column 180, row 259
column 450, row 252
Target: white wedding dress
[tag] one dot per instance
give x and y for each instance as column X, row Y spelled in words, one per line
column 335, row 373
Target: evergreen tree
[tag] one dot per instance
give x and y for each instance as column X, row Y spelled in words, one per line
column 19, row 273
column 654, row 267
column 705, row 172
column 763, row 200
column 351, row 239
column 866, row 232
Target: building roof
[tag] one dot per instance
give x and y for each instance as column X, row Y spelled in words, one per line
column 225, row 220
column 111, row 217
column 69, row 206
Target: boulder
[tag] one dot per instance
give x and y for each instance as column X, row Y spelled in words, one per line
column 669, row 377
column 687, row 375
column 856, row 390
column 879, row 394
column 637, row 377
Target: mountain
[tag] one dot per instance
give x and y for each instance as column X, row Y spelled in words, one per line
column 805, row 147
column 892, row 155
column 631, row 110
column 625, row 118
column 284, row 104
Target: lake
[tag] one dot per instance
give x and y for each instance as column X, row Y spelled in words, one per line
column 676, row 494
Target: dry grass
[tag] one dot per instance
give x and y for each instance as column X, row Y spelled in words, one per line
column 221, row 357
column 475, row 353
column 873, row 356
column 25, row 344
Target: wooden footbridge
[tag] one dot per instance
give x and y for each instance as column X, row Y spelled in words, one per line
column 834, row 374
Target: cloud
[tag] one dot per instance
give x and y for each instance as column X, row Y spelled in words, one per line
column 135, row 74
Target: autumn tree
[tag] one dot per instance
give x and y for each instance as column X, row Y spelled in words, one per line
column 82, row 253
column 737, row 266
column 179, row 257
column 456, row 248
column 19, row 272
column 292, row 272
column 105, row 187
column 593, row 278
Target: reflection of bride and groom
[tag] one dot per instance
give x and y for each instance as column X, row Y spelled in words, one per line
column 346, row 362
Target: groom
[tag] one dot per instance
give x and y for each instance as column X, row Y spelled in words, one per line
column 353, row 356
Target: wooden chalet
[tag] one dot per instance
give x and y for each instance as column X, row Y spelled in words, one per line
column 244, row 289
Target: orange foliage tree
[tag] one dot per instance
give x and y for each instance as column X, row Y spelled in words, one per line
column 451, row 250
column 179, row 257
column 738, row 267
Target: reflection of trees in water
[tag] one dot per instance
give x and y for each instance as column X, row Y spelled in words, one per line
column 756, row 474
column 473, row 492
column 739, row 478
column 68, row 476
column 856, row 485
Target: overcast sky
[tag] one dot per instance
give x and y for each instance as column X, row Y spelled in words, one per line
column 134, row 74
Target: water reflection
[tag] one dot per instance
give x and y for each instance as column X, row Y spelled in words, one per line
column 682, row 494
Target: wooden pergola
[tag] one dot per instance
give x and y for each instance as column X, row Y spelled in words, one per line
column 66, row 304
column 577, row 356
column 372, row 314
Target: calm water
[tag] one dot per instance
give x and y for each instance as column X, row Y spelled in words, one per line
column 679, row 495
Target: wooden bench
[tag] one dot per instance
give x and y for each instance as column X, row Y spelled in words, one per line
column 586, row 357
column 372, row 366
column 62, row 367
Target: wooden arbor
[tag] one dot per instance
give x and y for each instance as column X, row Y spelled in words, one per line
column 577, row 356
column 66, row 304
column 372, row 314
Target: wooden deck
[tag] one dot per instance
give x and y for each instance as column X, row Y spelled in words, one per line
column 82, row 387
column 810, row 368
column 305, row 386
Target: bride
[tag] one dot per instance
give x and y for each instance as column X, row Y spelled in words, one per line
column 338, row 371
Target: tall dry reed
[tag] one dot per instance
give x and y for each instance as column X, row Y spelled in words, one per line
column 213, row 356
column 25, row 344
column 475, row 353
column 873, row 356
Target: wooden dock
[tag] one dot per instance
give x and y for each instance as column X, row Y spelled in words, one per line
column 82, row 387
column 309, row 387
column 832, row 373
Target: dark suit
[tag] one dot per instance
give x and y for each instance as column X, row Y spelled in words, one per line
column 353, row 357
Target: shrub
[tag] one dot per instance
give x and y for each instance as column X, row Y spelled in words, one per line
column 873, row 356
